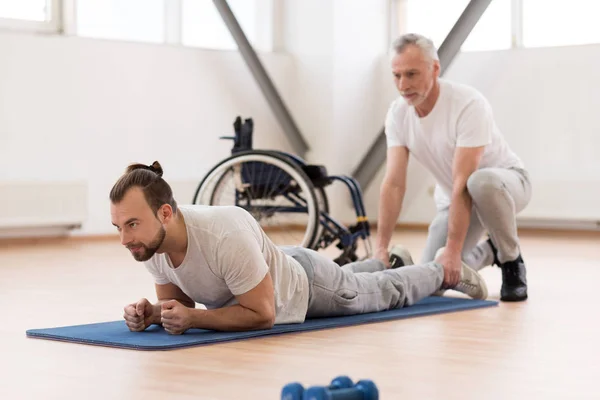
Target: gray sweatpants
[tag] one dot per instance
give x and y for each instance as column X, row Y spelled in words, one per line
column 362, row 286
column 498, row 195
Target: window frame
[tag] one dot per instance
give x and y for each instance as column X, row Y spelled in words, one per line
column 173, row 22
column 269, row 34
column 51, row 26
column 63, row 21
column 398, row 15
column 517, row 24
column 575, row 43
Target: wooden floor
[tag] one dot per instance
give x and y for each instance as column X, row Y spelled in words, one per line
column 545, row 348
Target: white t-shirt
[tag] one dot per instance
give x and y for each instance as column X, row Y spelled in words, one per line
column 229, row 254
column 461, row 117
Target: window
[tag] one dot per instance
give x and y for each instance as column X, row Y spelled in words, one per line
column 556, row 23
column 28, row 10
column 136, row 20
column 189, row 22
column 493, row 31
column 435, row 19
column 202, row 25
column 34, row 15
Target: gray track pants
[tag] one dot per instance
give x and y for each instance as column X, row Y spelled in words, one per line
column 362, row 286
column 498, row 195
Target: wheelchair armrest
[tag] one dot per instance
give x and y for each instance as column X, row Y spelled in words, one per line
column 317, row 174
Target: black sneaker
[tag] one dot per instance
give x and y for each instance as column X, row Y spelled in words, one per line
column 399, row 257
column 514, row 277
column 514, row 281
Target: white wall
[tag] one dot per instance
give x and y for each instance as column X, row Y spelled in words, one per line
column 359, row 108
column 545, row 103
column 104, row 104
column 338, row 52
column 75, row 109
column 309, row 41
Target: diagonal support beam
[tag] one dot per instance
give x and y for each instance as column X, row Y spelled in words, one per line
column 460, row 31
column 262, row 78
column 376, row 155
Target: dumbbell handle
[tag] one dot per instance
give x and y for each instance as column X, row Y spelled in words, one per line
column 343, row 394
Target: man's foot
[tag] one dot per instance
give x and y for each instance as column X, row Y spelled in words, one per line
column 514, row 277
column 400, row 257
column 514, row 281
column 471, row 283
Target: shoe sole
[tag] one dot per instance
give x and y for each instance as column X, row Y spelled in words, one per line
column 514, row 299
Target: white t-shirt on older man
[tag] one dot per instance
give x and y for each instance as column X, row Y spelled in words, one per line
column 461, row 117
column 229, row 254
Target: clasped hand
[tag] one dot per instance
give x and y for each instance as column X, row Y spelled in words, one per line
column 174, row 316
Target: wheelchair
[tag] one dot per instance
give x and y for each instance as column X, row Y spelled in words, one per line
column 285, row 195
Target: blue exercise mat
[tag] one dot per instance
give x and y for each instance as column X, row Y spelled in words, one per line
column 116, row 333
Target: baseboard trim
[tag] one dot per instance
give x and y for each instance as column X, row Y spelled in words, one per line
column 523, row 230
column 58, row 239
column 401, row 227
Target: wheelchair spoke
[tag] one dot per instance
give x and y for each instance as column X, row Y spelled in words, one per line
column 273, row 192
column 274, row 187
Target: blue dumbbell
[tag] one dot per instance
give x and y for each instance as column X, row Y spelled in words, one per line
column 363, row 390
column 292, row 391
column 295, row 391
column 341, row 382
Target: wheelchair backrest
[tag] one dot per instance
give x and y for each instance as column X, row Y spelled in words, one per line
column 243, row 135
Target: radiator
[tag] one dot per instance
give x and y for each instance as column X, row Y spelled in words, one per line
column 41, row 208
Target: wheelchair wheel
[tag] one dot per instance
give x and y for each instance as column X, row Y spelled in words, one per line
column 272, row 188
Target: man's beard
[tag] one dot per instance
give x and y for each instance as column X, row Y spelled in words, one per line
column 149, row 250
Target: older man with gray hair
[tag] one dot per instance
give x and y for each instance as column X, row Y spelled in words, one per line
column 481, row 183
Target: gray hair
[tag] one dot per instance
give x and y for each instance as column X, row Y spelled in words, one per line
column 414, row 39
